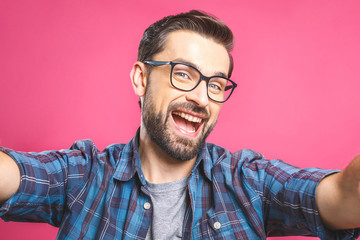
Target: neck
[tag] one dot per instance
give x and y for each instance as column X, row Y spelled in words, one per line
column 158, row 166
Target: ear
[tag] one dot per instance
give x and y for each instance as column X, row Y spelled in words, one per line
column 138, row 76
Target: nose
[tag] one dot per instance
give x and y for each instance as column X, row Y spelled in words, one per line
column 199, row 95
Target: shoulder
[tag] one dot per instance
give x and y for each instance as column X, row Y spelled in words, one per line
column 89, row 151
column 247, row 164
column 242, row 158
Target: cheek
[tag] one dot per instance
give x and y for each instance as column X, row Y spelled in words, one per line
column 169, row 95
column 158, row 93
column 163, row 97
column 214, row 111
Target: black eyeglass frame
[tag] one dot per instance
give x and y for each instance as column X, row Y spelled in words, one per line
column 202, row 77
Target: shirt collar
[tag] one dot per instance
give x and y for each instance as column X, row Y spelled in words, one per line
column 204, row 162
column 210, row 156
column 129, row 161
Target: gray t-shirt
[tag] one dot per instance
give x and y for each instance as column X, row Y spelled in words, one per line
column 169, row 206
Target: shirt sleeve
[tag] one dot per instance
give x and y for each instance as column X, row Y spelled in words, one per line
column 46, row 180
column 288, row 197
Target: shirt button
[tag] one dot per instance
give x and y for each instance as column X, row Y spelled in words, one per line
column 217, row 225
column 147, row 205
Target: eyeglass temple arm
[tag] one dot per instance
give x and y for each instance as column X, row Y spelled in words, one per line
column 231, row 87
column 156, row 63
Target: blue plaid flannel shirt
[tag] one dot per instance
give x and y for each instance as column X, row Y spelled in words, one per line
column 101, row 195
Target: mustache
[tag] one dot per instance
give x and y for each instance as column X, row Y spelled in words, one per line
column 190, row 107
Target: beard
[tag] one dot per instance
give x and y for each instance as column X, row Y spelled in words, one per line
column 158, row 128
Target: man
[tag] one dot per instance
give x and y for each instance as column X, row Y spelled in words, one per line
column 167, row 183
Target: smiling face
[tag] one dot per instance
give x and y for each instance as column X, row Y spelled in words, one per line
column 177, row 121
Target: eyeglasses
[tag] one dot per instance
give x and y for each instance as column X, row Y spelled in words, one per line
column 186, row 78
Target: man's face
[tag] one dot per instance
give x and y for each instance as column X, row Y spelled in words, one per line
column 177, row 121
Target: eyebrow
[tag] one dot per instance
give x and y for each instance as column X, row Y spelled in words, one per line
column 221, row 74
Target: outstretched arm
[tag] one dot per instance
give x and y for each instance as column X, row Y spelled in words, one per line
column 338, row 198
column 9, row 177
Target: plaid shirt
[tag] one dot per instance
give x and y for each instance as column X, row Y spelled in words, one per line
column 103, row 195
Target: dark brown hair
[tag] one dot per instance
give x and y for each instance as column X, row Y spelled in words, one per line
column 154, row 37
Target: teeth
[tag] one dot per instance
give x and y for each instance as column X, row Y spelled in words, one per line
column 188, row 117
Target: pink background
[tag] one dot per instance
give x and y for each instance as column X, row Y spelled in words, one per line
column 65, row 66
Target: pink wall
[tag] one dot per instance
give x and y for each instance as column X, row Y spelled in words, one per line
column 65, row 65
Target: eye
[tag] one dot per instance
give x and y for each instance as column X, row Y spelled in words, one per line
column 213, row 87
column 217, row 85
column 182, row 75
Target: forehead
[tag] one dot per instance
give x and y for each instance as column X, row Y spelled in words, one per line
column 210, row 57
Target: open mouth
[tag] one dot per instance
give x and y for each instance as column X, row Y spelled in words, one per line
column 187, row 124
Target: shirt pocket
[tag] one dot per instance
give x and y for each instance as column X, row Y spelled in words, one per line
column 225, row 225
